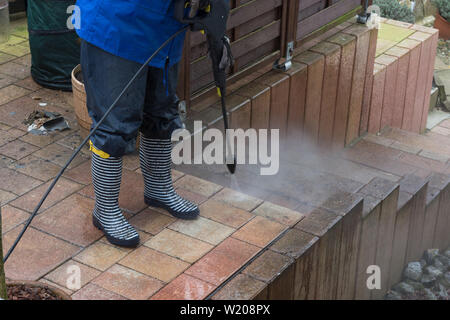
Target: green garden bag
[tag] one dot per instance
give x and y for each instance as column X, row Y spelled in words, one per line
column 55, row 49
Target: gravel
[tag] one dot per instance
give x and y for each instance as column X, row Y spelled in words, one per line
column 404, row 288
column 413, row 271
column 430, row 255
column 425, row 279
column 433, row 271
column 25, row 292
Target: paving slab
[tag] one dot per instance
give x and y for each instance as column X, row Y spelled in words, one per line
column 26, row 262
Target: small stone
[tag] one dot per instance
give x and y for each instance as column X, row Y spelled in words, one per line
column 428, row 280
column 404, row 288
column 447, row 253
column 445, row 280
column 393, row 295
column 430, row 254
column 416, row 285
column 445, row 261
column 439, row 265
column 423, row 263
column 413, row 271
column 429, row 295
column 433, row 271
column 442, row 294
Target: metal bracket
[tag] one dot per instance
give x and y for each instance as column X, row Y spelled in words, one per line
column 182, row 110
column 287, row 64
column 364, row 16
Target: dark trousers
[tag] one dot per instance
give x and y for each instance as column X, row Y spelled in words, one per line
column 150, row 104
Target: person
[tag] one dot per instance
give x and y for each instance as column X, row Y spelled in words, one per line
column 117, row 38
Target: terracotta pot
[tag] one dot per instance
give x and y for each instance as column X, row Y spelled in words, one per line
column 79, row 102
column 58, row 292
column 443, row 26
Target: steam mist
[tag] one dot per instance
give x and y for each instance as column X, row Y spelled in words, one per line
column 308, row 174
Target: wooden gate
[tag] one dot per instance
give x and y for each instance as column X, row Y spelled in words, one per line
column 259, row 31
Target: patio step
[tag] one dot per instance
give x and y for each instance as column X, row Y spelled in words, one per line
column 432, row 146
column 328, row 248
column 402, row 77
column 386, row 222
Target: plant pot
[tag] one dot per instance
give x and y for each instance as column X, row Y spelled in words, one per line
column 79, row 102
column 443, row 26
column 58, row 292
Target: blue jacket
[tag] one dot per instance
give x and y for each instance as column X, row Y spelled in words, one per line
column 132, row 29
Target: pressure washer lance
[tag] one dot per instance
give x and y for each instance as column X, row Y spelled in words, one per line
column 212, row 21
column 50, row 188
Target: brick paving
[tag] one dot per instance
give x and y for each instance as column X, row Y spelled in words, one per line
column 307, row 200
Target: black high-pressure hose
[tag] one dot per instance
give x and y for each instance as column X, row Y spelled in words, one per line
column 50, row 188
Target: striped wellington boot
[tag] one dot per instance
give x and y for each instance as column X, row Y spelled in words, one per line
column 106, row 178
column 156, row 166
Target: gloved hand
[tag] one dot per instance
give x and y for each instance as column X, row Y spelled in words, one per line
column 197, row 5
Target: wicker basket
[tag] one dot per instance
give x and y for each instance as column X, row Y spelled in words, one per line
column 79, row 102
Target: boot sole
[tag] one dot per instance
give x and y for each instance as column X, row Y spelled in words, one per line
column 132, row 243
column 192, row 215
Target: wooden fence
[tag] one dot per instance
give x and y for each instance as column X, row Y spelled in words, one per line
column 260, row 31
